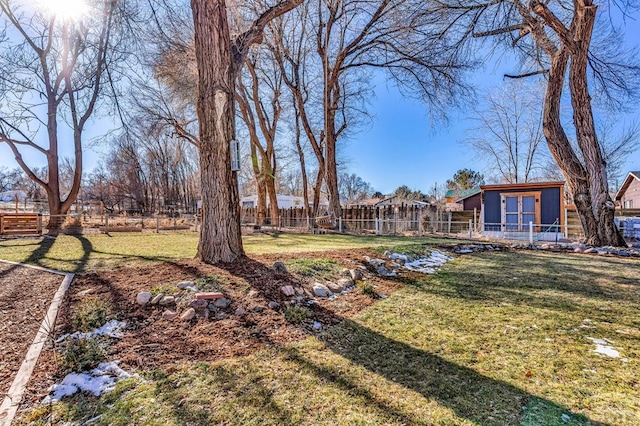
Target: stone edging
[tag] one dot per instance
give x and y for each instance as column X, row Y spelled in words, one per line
column 12, row 401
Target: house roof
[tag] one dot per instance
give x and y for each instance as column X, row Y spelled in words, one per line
column 366, row 202
column 401, row 200
column 527, row 185
column 462, row 194
column 626, row 183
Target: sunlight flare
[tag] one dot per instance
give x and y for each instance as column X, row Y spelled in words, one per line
column 66, row 9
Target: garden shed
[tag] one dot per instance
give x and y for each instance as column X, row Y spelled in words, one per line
column 509, row 209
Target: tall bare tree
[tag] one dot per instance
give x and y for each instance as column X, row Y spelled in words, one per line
column 509, row 133
column 219, row 60
column 557, row 39
column 52, row 70
column 264, row 82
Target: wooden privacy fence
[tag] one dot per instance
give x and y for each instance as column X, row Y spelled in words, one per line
column 17, row 224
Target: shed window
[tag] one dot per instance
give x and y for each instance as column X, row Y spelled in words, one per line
column 520, row 208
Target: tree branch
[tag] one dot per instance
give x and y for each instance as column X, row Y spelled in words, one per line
column 529, row 74
column 254, row 34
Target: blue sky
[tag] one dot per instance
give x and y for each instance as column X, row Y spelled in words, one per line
column 401, row 146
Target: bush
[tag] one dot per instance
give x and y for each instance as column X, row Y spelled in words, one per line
column 82, row 354
column 368, row 288
column 296, row 314
column 90, row 314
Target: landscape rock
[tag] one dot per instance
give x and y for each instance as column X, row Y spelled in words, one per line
column 321, row 290
column 335, row 287
column 258, row 309
column 169, row 315
column 273, row 305
column 210, row 295
column 167, row 300
column 143, row 298
column 288, row 290
column 240, row 312
column 188, row 315
column 590, row 250
column 187, row 285
column 84, row 292
column 211, row 307
column 222, row 303
column 345, row 272
column 221, row 316
column 199, row 303
column 157, row 299
column 346, row 282
column 356, row 274
column 279, row 268
column 317, row 326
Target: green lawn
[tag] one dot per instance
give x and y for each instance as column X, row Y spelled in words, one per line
column 491, row 339
column 78, row 253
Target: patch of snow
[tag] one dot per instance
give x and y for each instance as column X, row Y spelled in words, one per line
column 399, row 256
column 112, row 328
column 428, row 265
column 603, row 347
column 98, row 381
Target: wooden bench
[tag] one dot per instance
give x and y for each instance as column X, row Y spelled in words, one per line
column 326, row 222
column 18, row 224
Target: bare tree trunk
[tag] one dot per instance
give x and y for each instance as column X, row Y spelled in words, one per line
column 602, row 206
column 331, row 175
column 220, row 238
column 261, row 189
column 317, row 191
column 303, row 167
column 270, row 184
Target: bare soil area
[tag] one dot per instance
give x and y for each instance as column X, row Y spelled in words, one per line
column 153, row 342
column 25, row 295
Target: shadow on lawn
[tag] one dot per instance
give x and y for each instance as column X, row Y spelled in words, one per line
column 471, row 395
column 36, row 256
column 552, row 282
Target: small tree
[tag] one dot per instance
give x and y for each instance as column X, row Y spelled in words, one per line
column 465, row 179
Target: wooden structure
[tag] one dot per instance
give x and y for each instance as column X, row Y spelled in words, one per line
column 20, row 224
column 510, row 208
column 326, row 222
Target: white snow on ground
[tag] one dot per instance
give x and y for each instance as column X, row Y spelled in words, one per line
column 98, row 381
column 428, row 265
column 425, row 265
column 112, row 328
column 603, row 347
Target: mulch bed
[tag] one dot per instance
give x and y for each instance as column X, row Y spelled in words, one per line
column 25, row 295
column 153, row 342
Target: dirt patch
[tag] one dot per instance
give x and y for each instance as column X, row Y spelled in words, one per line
column 25, row 295
column 153, row 342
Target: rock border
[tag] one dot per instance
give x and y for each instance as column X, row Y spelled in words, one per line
column 12, row 400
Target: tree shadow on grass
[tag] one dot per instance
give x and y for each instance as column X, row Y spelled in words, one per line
column 549, row 282
column 35, row 258
column 468, row 393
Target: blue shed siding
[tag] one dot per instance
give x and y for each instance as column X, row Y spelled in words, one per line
column 549, row 204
